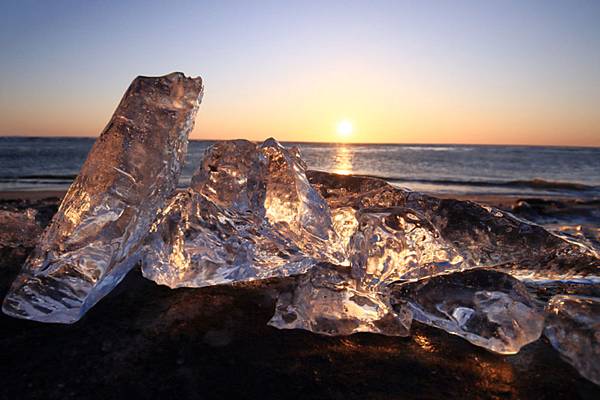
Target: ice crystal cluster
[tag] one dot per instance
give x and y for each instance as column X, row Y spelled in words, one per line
column 362, row 255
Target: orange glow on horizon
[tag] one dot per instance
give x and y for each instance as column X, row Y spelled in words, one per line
column 389, row 111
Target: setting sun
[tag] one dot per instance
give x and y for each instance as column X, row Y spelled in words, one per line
column 345, row 128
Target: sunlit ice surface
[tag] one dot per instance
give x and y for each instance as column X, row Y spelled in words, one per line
column 94, row 238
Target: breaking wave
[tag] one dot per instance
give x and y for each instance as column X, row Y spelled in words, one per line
column 533, row 183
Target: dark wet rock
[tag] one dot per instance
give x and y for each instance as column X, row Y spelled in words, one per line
column 158, row 350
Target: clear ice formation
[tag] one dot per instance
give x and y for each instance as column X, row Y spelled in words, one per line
column 573, row 328
column 328, row 300
column 410, row 235
column 488, row 308
column 249, row 214
column 389, row 242
column 19, row 228
column 393, row 237
column 95, row 237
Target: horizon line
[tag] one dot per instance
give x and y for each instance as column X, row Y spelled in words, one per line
column 327, row 142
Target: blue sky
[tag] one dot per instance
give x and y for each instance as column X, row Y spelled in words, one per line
column 443, row 72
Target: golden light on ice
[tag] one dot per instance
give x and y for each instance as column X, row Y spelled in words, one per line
column 345, row 128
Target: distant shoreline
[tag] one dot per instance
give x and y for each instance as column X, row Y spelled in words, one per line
column 584, row 146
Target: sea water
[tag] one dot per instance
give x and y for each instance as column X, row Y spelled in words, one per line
column 41, row 163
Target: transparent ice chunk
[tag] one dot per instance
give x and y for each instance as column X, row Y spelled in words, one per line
column 393, row 235
column 471, row 235
column 488, row 308
column 250, row 214
column 196, row 243
column 328, row 300
column 487, row 236
column 95, row 237
column 573, row 328
column 293, row 205
column 398, row 243
column 230, row 177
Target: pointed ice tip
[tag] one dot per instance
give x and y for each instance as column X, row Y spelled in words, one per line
column 271, row 142
column 193, row 84
column 173, row 76
column 171, row 91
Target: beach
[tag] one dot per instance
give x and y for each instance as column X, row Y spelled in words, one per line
column 150, row 341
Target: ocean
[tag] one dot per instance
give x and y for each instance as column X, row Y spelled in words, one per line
column 39, row 163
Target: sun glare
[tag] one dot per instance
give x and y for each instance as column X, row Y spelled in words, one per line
column 344, row 128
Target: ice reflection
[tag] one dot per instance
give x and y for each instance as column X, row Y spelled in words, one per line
column 425, row 343
column 342, row 160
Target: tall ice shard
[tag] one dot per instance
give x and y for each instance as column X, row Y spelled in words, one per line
column 95, row 237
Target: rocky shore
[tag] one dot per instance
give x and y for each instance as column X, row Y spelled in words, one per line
column 148, row 341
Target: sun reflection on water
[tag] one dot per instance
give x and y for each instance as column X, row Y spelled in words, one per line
column 342, row 160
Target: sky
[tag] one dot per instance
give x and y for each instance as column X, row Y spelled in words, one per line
column 482, row 72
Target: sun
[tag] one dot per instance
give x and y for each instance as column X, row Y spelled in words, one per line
column 345, row 128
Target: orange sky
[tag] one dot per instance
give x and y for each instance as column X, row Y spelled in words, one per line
column 497, row 73
column 299, row 112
